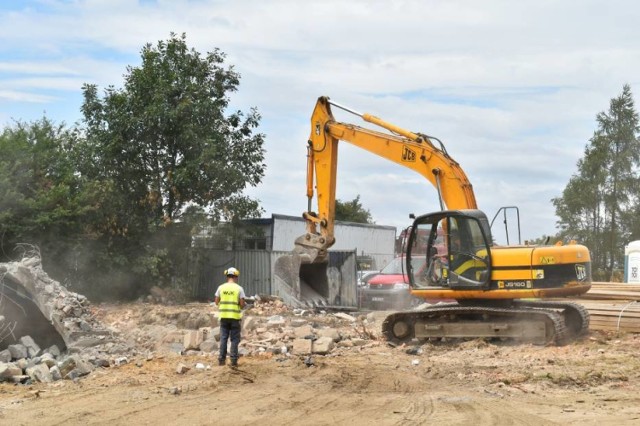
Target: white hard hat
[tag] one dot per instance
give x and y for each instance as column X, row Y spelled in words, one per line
column 232, row 272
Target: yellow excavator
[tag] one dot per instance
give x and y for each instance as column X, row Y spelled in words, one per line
column 500, row 291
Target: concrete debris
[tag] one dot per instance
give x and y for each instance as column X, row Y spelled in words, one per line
column 414, row 351
column 344, row 316
column 43, row 313
column 182, row 369
column 83, row 342
column 309, row 362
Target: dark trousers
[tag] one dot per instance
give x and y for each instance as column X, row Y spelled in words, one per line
column 229, row 328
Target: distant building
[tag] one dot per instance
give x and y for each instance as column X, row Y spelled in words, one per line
column 373, row 244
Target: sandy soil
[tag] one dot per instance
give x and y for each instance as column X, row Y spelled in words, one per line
column 594, row 381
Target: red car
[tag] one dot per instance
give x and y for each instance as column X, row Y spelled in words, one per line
column 390, row 289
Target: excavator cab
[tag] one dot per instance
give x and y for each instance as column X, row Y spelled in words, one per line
column 457, row 250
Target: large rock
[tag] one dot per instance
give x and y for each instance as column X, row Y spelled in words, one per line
column 329, row 332
column 9, row 370
column 209, row 346
column 302, row 346
column 249, row 324
column 276, row 321
column 192, row 340
column 74, row 366
column 304, row 331
column 18, row 351
column 40, row 373
column 323, row 345
column 32, row 348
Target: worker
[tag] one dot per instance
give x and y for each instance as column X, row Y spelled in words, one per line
column 230, row 301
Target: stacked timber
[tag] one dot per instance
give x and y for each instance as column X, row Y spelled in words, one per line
column 612, row 291
column 614, row 316
column 613, row 306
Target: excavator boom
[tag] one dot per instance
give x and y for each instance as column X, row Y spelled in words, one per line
column 415, row 151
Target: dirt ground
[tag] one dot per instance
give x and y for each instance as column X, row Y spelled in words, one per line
column 592, row 381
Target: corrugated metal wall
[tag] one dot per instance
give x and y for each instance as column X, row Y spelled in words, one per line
column 377, row 241
column 208, row 266
column 206, row 272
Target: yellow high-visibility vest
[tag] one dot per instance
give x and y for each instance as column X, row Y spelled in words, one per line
column 229, row 306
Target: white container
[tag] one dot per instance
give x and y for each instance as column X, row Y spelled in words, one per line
column 632, row 263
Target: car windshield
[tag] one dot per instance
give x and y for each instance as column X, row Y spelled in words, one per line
column 397, row 267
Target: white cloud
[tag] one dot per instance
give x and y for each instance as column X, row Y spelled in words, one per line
column 512, row 88
column 13, row 95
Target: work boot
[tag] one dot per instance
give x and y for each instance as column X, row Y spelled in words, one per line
column 234, row 363
column 221, row 362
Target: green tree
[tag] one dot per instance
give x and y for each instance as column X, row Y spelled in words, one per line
column 597, row 204
column 352, row 211
column 162, row 146
column 41, row 200
column 164, row 141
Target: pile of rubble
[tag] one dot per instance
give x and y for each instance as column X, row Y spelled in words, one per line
column 38, row 309
column 270, row 327
column 25, row 362
column 91, row 339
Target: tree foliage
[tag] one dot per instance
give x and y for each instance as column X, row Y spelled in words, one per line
column 41, row 199
column 165, row 141
column 600, row 203
column 352, row 211
column 105, row 202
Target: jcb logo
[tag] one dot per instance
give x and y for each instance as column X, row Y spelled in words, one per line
column 408, row 154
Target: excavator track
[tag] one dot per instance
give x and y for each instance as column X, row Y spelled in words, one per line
column 537, row 325
column 576, row 316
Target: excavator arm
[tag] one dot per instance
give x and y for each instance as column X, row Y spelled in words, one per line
column 415, row 151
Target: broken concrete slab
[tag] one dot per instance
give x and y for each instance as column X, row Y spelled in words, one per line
column 32, row 347
column 301, row 346
column 8, row 370
column 329, row 332
column 39, row 373
column 192, row 339
column 44, row 309
column 209, row 346
column 323, row 345
column 18, row 351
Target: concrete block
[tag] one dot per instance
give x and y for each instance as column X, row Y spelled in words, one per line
column 8, row 370
column 55, row 373
column 18, row 351
column 32, row 348
column 329, row 332
column 249, row 324
column 302, row 346
column 40, row 373
column 323, row 345
column 209, row 346
column 303, row 331
column 192, row 339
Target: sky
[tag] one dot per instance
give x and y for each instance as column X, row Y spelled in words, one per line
column 512, row 88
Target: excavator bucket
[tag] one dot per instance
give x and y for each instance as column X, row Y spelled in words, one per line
column 301, row 284
column 310, row 276
column 302, row 275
